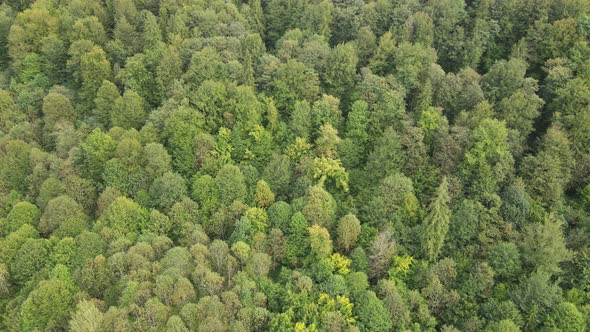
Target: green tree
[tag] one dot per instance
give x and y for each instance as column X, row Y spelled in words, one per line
column 293, row 81
column 393, row 201
column 10, row 115
column 320, row 242
column 94, row 69
column 31, row 258
column 106, row 97
column 436, row 223
column 62, row 217
column 231, row 184
column 566, row 317
column 167, row 189
column 21, row 213
column 28, row 31
column 548, row 173
column 505, row 259
column 320, row 207
column 205, row 193
column 300, row 120
column 348, row 231
column 487, row 161
column 503, row 325
column 372, row 315
column 139, row 77
column 536, row 296
column 263, row 196
column 175, row 324
column 15, row 165
column 168, row 70
column 57, row 108
column 93, row 153
column 49, row 305
column 544, row 246
column 386, row 158
column 297, row 238
column 124, row 216
column 86, row 318
column 128, row 111
column 340, row 71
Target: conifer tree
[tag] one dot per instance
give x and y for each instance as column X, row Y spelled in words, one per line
column 436, row 223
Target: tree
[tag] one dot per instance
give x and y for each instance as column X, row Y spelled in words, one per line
column 169, row 69
column 12, row 243
column 395, row 304
column 503, row 325
column 411, row 63
column 293, row 81
column 205, row 193
column 566, row 317
column 259, row 265
column 264, row 197
column 536, row 296
column 340, row 71
column 352, row 149
column 10, row 116
column 28, row 30
column 21, row 213
column 94, row 152
column 106, row 97
column 48, row 306
column 4, row 280
column 15, row 165
column 139, row 77
column 297, row 238
column 167, row 189
column 57, row 108
column 300, row 119
column 124, row 216
column 231, row 184
column 6, row 19
column 94, row 69
column 504, row 78
column 327, row 141
column 320, row 242
column 279, row 215
column 393, row 201
column 548, row 173
column 175, row 324
column 128, row 111
column 372, row 315
column 31, row 257
column 320, row 207
column 487, row 162
column 349, row 229
column 387, row 157
column 63, row 217
column 381, row 252
column 436, row 223
column 505, row 259
column 87, row 317
column 278, row 175
column 157, row 161
column 543, row 245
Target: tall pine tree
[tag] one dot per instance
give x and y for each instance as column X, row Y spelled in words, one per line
column 436, row 223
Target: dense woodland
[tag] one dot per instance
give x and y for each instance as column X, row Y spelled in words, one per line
column 295, row 165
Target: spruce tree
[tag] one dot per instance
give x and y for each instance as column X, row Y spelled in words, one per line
column 436, row 223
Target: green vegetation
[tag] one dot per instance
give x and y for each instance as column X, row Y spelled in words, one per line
column 295, row 165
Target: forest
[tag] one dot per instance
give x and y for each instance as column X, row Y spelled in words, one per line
column 295, row 165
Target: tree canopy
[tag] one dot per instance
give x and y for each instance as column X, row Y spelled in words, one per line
column 295, row 165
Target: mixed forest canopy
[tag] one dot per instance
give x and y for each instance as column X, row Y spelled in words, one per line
column 295, row 165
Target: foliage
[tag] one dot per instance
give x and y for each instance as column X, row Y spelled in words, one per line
column 294, row 165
